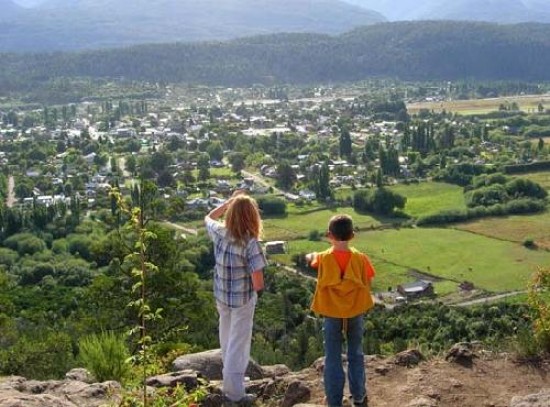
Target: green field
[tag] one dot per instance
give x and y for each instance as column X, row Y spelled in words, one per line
column 514, row 228
column 542, row 178
column 300, row 221
column 429, row 197
column 491, row 264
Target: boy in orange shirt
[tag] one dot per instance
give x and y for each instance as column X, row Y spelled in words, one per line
column 342, row 296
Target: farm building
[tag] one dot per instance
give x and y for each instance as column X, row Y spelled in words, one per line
column 276, row 247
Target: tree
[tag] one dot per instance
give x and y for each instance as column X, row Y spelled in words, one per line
column 215, row 151
column 286, row 177
column 131, row 164
column 345, row 143
column 203, row 165
column 322, row 185
column 381, row 201
column 237, row 162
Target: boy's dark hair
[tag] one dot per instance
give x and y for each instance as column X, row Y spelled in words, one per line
column 341, row 227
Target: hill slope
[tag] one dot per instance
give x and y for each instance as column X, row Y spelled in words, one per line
column 9, row 9
column 90, row 24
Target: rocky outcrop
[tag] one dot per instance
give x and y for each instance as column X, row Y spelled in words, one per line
column 541, row 399
column 406, row 379
column 17, row 391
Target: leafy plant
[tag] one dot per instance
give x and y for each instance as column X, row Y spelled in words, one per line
column 537, row 298
column 105, row 355
column 141, row 269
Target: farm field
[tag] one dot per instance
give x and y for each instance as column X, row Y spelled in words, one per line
column 423, row 197
column 430, row 197
column 298, row 223
column 514, row 228
column 526, row 103
column 491, row 264
column 542, row 178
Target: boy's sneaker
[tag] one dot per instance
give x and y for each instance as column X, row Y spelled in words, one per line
column 362, row 403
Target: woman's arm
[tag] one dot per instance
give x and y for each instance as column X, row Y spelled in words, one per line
column 218, row 211
column 258, row 280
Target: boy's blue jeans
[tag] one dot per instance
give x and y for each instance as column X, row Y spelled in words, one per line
column 334, row 371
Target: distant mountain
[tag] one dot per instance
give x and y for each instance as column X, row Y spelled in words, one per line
column 398, row 10
column 29, row 3
column 424, row 50
column 500, row 11
column 9, row 10
column 89, row 24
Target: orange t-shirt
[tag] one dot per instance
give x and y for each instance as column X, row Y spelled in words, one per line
column 342, row 258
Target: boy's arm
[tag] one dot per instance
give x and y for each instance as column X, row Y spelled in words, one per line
column 312, row 259
column 369, row 269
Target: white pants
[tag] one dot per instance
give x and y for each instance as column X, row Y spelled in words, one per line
column 235, row 338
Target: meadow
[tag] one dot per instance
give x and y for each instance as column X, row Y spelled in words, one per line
column 453, row 255
column 527, row 103
column 489, row 252
column 300, row 221
column 429, row 197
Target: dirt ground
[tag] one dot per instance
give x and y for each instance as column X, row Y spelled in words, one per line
column 490, row 381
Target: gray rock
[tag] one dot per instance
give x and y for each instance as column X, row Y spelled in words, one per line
column 541, row 399
column 297, row 392
column 189, row 378
column 33, row 400
column 422, row 402
column 461, row 353
column 209, row 364
column 81, row 375
column 410, row 357
column 19, row 392
column 275, row 370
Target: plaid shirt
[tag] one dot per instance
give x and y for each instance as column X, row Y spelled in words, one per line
column 234, row 265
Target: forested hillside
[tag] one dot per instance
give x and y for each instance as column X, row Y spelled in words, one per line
column 406, row 50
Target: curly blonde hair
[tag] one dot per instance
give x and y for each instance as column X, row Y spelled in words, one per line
column 243, row 220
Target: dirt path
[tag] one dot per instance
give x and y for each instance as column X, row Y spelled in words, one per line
column 260, row 180
column 10, row 199
column 486, row 300
column 182, row 228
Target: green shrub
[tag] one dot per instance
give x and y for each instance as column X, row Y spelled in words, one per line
column 105, row 356
column 529, row 243
column 41, row 357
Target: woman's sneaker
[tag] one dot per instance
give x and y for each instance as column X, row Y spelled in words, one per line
column 247, row 401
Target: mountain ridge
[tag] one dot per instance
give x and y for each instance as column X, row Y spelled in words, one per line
column 86, row 24
column 499, row 11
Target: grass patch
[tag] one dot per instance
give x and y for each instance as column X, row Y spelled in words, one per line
column 514, row 228
column 430, row 197
column 541, row 178
column 300, row 222
column 527, row 103
column 491, row 264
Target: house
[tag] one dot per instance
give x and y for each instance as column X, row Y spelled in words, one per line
column 416, row 289
column 276, row 247
column 197, row 203
column 307, row 194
